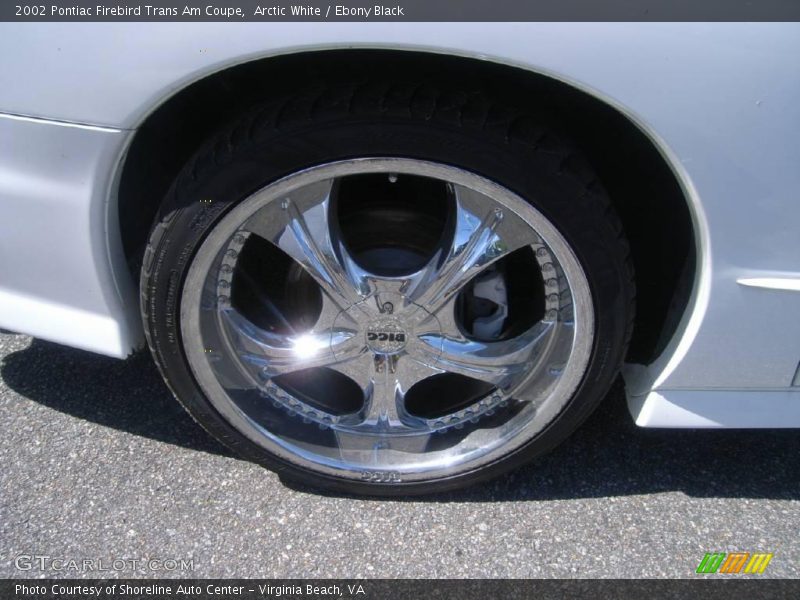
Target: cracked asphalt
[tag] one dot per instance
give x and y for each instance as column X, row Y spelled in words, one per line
column 100, row 463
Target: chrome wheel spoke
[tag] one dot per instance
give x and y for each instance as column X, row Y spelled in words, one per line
column 387, row 381
column 497, row 363
column 275, row 354
column 483, row 235
column 442, row 323
column 302, row 228
column 382, row 408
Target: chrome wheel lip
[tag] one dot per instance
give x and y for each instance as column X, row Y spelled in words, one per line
column 483, row 449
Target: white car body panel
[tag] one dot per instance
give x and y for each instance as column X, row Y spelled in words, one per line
column 720, row 100
column 56, row 278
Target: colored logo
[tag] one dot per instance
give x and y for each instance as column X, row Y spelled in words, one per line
column 734, row 562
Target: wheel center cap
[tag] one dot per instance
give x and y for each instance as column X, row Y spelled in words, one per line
column 386, row 335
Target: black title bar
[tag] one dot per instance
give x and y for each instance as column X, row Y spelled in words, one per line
column 400, row 589
column 402, row 11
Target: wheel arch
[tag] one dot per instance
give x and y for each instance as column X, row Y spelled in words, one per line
column 629, row 158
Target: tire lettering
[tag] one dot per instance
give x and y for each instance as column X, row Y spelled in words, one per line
column 381, row 476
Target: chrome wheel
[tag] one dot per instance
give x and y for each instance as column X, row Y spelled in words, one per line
column 387, row 341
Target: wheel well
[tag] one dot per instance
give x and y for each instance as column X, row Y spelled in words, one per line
column 642, row 186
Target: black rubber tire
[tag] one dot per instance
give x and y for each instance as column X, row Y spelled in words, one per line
column 470, row 130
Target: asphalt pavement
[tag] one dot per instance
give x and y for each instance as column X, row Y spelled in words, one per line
column 100, row 464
